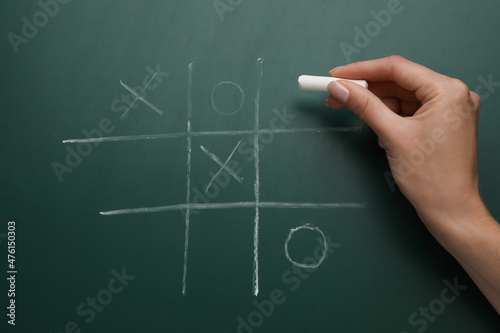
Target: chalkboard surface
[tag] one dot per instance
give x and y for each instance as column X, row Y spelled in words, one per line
column 161, row 171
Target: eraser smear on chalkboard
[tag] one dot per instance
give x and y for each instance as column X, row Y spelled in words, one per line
column 320, row 83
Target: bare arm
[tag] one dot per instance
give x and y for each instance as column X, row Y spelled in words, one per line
column 428, row 125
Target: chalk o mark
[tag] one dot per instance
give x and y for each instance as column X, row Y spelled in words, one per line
column 309, row 227
column 223, row 112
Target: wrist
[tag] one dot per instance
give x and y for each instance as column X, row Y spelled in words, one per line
column 461, row 226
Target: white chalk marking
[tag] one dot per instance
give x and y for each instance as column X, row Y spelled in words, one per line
column 142, row 99
column 128, row 138
column 310, row 227
column 216, row 133
column 233, row 205
column 242, row 98
column 257, row 204
column 320, row 83
column 223, row 167
column 257, row 181
column 138, row 97
column 312, row 205
column 188, row 177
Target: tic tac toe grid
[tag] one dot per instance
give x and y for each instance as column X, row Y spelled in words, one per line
column 187, row 206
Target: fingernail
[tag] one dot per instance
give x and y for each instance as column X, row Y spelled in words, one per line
column 335, row 69
column 326, row 102
column 338, row 91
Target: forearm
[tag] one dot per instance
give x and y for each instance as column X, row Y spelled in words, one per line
column 474, row 240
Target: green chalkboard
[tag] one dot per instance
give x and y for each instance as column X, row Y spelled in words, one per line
column 161, row 171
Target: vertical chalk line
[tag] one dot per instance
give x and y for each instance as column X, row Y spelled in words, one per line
column 257, row 182
column 188, row 177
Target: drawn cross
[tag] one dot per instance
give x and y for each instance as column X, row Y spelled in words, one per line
column 139, row 97
column 223, row 166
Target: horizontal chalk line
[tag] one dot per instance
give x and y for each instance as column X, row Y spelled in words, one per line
column 215, row 133
column 232, row 205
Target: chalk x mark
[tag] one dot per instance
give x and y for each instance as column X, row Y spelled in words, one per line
column 139, row 97
column 223, row 166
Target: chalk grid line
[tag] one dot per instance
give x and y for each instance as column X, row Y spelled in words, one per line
column 215, row 133
column 233, row 205
column 188, row 177
column 257, row 204
column 257, row 182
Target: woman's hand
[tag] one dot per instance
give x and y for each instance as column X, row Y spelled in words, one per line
column 428, row 125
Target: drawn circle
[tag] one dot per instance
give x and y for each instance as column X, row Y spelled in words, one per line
column 325, row 246
column 227, row 113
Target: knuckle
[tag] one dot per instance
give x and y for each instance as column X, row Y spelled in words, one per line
column 459, row 87
column 395, row 58
column 458, row 90
column 476, row 99
column 395, row 67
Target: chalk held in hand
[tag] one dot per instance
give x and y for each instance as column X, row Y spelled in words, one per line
column 319, row 83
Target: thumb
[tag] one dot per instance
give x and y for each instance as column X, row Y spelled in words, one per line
column 368, row 107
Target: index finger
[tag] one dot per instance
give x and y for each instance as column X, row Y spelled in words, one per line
column 407, row 74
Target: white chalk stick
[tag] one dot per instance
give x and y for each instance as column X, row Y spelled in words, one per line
column 319, row 83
